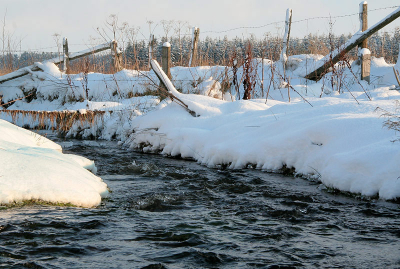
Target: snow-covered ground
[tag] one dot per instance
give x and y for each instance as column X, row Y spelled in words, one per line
column 329, row 130
column 34, row 168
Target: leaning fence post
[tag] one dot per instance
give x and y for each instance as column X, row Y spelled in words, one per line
column 364, row 52
column 65, row 66
column 195, row 40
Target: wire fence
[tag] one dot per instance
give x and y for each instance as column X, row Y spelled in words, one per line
column 212, row 49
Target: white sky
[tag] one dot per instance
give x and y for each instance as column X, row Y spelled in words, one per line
column 33, row 22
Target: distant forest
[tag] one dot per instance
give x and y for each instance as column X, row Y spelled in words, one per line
column 212, row 51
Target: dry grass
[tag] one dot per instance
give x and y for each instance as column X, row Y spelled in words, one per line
column 61, row 121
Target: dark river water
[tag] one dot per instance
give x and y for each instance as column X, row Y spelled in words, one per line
column 168, row 213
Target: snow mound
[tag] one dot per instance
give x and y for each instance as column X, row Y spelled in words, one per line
column 33, row 168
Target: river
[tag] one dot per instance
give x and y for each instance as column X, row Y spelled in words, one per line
column 169, row 213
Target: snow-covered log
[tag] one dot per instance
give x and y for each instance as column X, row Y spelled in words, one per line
column 334, row 57
column 19, row 73
column 171, row 91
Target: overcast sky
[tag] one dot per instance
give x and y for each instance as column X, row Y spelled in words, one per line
column 36, row 21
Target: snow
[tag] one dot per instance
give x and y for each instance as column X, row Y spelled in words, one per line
column 364, row 51
column 34, row 168
column 342, row 143
column 338, row 140
column 166, row 44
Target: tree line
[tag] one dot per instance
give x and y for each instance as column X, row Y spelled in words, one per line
column 212, row 51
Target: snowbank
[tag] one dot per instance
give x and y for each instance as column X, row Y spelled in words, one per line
column 33, row 168
column 336, row 141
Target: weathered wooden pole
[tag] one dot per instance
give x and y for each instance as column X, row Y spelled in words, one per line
column 65, row 66
column 151, row 47
column 332, row 58
column 365, row 60
column 166, row 59
column 364, row 52
column 117, row 57
column 195, row 40
column 288, row 24
column 364, row 21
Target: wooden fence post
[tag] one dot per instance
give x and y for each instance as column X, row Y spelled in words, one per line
column 195, row 40
column 151, row 47
column 364, row 21
column 166, row 59
column 166, row 62
column 117, row 57
column 365, row 59
column 288, row 24
column 364, row 53
column 65, row 66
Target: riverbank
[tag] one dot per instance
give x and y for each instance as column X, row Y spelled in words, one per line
column 336, row 141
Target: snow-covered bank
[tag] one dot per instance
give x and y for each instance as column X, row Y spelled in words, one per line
column 337, row 141
column 327, row 130
column 34, row 168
